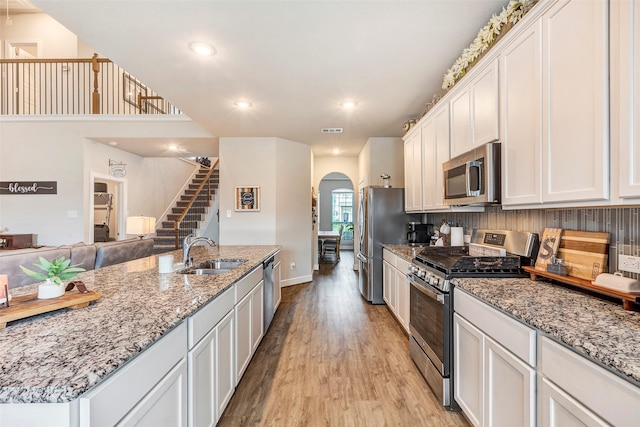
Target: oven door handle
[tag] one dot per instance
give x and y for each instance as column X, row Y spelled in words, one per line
column 428, row 291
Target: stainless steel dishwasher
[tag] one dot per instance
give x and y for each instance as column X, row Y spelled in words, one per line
column 268, row 292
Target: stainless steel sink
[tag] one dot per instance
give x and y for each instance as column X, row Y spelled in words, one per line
column 205, row 271
column 213, row 266
column 221, row 263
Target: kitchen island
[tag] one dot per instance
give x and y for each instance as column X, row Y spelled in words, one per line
column 60, row 356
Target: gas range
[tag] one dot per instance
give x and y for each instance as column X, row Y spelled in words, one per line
column 491, row 253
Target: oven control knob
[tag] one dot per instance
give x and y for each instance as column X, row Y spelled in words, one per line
column 422, row 273
column 435, row 281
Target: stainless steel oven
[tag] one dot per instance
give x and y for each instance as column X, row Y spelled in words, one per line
column 430, row 323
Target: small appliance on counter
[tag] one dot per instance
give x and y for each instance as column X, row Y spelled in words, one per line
column 419, row 234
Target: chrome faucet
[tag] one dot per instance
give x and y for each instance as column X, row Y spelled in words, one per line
column 186, row 247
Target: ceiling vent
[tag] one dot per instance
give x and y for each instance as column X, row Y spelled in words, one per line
column 331, row 130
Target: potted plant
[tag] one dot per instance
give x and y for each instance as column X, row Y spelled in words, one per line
column 55, row 271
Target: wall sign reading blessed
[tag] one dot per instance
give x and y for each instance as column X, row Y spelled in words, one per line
column 30, row 187
column 247, row 199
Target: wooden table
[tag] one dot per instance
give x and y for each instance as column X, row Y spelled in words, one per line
column 330, row 235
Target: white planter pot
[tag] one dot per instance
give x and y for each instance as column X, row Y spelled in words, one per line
column 49, row 290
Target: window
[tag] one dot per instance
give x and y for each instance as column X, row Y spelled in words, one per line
column 342, row 212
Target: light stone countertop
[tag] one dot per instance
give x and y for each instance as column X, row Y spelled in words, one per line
column 57, row 356
column 592, row 326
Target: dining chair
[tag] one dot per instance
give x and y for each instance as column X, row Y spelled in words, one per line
column 331, row 246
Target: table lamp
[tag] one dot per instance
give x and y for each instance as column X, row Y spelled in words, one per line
column 141, row 225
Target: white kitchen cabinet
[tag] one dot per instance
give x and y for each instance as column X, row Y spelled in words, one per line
column 468, row 366
column 388, row 285
column 604, row 398
column 558, row 409
column 575, row 96
column 165, row 404
column 505, row 375
column 396, row 287
column 625, row 76
column 521, row 101
column 475, row 110
column 210, row 373
column 413, row 171
column 494, row 362
column 249, row 319
column 428, row 165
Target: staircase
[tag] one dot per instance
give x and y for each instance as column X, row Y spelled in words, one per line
column 166, row 236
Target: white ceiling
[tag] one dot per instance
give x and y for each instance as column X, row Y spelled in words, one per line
column 296, row 61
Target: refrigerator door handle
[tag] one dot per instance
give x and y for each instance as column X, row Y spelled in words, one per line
column 362, row 257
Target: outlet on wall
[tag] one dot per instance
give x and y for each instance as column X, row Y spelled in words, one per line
column 629, row 263
column 293, row 265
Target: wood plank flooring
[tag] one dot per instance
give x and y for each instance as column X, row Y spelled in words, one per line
column 332, row 359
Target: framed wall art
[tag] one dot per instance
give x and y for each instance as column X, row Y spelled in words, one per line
column 247, row 199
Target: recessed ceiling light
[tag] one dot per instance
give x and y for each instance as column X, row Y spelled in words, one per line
column 243, row 104
column 113, row 143
column 348, row 104
column 173, row 148
column 336, row 151
column 202, row 48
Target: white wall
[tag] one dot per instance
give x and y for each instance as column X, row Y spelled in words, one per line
column 57, row 149
column 381, row 155
column 55, row 40
column 281, row 169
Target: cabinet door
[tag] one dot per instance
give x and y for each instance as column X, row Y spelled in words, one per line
column 257, row 316
column 413, row 172
column 166, row 403
column 402, row 298
column 388, row 283
column 461, row 132
column 225, row 359
column 521, row 93
column 441, row 119
column 561, row 410
column 428, row 132
column 485, row 103
column 507, row 379
column 202, row 381
column 243, row 335
column 575, row 98
column 627, row 71
column 467, row 369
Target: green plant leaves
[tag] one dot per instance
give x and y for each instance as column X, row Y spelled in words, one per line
column 56, row 270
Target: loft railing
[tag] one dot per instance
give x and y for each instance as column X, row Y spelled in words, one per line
column 200, row 200
column 75, row 86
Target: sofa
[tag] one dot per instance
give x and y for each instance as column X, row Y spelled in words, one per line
column 87, row 256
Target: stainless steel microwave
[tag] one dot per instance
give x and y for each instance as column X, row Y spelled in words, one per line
column 473, row 178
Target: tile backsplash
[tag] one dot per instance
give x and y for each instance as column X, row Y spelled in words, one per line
column 623, row 224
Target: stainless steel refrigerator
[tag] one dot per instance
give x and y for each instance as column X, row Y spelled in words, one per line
column 381, row 219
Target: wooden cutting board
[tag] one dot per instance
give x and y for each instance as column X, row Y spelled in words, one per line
column 585, row 253
column 29, row 305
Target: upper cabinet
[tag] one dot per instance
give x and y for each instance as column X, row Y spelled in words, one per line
column 474, row 111
column 575, row 98
column 625, row 104
column 413, row 171
column 521, row 101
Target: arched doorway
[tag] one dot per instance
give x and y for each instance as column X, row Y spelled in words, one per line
column 336, row 207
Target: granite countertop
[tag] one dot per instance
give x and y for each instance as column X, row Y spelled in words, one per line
column 55, row 357
column 593, row 327
column 405, row 252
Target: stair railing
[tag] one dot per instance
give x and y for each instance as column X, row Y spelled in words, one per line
column 205, row 182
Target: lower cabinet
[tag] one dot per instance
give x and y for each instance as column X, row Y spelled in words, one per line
column 494, row 363
column 249, row 322
column 396, row 286
column 211, row 380
column 561, row 410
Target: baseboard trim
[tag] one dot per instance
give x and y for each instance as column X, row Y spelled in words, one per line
column 295, row 281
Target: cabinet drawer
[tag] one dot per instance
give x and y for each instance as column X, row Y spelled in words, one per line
column 402, row 266
column 388, row 256
column 513, row 335
column 604, row 393
column 208, row 316
column 248, row 282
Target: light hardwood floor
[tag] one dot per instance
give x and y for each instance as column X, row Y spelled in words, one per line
column 331, row 359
